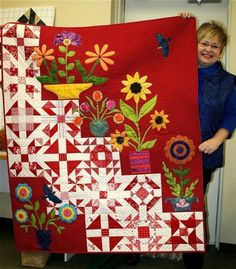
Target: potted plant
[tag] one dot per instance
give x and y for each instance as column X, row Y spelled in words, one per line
column 180, row 150
column 137, row 89
column 31, row 216
column 59, row 73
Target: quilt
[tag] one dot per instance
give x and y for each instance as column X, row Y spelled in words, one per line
column 102, row 133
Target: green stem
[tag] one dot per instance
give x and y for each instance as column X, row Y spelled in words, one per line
column 46, row 64
column 66, row 64
column 92, row 69
column 103, row 114
column 181, row 182
column 97, row 105
column 37, row 216
column 138, row 130
column 50, row 220
column 130, row 143
column 146, row 132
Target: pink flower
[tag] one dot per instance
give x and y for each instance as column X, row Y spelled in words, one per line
column 110, row 104
column 84, row 107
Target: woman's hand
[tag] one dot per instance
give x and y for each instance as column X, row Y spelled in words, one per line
column 209, row 146
column 186, row 15
column 212, row 144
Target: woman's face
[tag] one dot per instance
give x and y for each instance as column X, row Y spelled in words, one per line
column 209, row 51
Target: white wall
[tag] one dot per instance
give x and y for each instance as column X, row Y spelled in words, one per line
column 228, row 223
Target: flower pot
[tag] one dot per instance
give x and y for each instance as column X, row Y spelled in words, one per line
column 68, row 91
column 43, row 238
column 182, row 204
column 99, row 128
column 140, row 162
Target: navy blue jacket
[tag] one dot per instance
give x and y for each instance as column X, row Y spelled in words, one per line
column 217, row 107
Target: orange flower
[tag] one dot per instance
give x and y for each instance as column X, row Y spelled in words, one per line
column 78, row 121
column 118, row 118
column 101, row 56
column 42, row 54
column 180, row 149
column 97, row 96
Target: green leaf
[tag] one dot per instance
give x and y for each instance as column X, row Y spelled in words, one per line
column 185, row 171
column 103, row 105
column 62, row 49
column 25, row 227
column 149, row 144
column 58, row 230
column 33, row 218
column 44, row 79
column 80, row 69
column 36, row 205
column 70, row 66
column 29, row 207
column 186, row 181
column 62, row 73
column 70, row 79
column 61, row 60
column 128, row 112
column 54, row 67
column 147, row 107
column 96, row 80
column 42, row 218
column 90, row 102
column 71, row 53
column 52, row 213
column 178, row 172
column 131, row 133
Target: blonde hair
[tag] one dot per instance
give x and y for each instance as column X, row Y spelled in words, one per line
column 212, row 29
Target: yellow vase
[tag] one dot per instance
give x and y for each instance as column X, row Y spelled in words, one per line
column 68, row 91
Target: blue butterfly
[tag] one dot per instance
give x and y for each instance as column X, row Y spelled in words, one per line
column 164, row 46
column 50, row 195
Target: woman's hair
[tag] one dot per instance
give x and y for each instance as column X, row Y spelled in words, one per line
column 212, row 29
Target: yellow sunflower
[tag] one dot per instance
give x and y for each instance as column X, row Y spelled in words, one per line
column 119, row 140
column 159, row 120
column 136, row 87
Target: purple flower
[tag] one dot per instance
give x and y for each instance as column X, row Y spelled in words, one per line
column 111, row 104
column 74, row 38
column 84, row 107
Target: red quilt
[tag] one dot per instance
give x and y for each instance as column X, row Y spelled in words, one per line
column 102, row 131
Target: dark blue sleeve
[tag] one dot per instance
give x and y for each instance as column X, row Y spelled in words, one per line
column 229, row 120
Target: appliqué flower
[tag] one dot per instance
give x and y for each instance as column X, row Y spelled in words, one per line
column 43, row 55
column 119, row 140
column 180, row 149
column 100, row 56
column 159, row 120
column 21, row 215
column 136, row 87
column 68, row 213
column 23, row 192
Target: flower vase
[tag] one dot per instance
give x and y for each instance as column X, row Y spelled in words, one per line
column 181, row 204
column 140, row 162
column 99, row 128
column 43, row 238
column 68, row 91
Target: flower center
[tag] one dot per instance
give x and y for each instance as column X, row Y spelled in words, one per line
column 66, row 41
column 135, row 87
column 120, row 140
column 158, row 120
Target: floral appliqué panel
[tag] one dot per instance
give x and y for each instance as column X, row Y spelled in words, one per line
column 102, row 133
